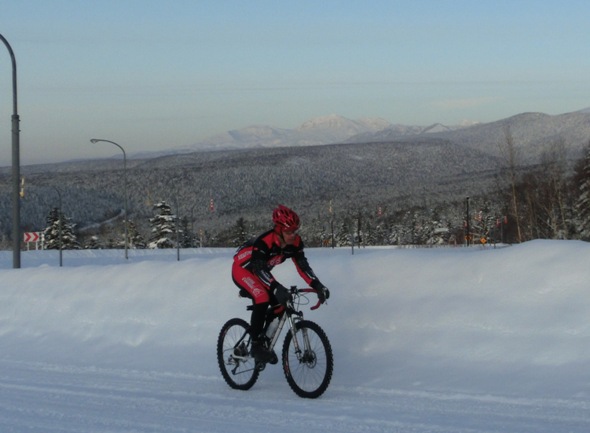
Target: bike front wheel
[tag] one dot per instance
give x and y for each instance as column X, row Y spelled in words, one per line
column 307, row 360
column 233, row 355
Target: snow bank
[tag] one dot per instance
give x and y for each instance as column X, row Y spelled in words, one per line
column 509, row 320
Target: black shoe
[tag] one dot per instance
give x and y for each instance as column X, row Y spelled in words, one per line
column 261, row 353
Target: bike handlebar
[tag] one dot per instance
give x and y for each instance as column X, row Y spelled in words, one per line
column 307, row 290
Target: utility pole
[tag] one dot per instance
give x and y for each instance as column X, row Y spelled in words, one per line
column 16, row 232
column 467, row 225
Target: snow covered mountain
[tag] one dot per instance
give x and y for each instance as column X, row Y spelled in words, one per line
column 397, row 131
column 329, row 129
column 533, row 134
column 320, row 130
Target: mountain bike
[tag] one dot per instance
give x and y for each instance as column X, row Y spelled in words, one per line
column 307, row 358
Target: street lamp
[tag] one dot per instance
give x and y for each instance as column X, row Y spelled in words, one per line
column 96, row 140
column 467, row 217
column 15, row 166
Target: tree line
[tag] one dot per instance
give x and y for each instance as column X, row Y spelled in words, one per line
column 543, row 202
column 374, row 194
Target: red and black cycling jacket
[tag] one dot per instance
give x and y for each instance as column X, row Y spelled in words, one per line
column 262, row 254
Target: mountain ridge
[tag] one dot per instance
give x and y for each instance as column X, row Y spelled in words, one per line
column 533, row 133
column 328, row 129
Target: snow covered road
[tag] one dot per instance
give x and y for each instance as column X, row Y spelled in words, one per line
column 61, row 398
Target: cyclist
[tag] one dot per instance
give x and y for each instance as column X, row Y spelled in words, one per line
column 251, row 272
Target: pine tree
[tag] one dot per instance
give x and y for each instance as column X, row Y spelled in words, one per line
column 58, row 224
column 240, row 235
column 163, row 227
column 93, row 243
column 136, row 240
column 343, row 233
column 187, row 238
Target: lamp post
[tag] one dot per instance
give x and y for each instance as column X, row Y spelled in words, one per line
column 96, row 140
column 467, row 225
column 16, row 235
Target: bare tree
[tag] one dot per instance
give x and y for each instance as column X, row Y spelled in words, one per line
column 554, row 172
column 543, row 196
column 582, row 184
column 508, row 151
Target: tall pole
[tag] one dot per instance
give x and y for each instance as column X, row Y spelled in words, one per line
column 467, row 224
column 96, row 140
column 16, row 235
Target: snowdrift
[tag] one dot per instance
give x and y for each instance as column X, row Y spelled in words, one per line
column 510, row 320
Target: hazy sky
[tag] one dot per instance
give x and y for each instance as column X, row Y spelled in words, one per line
column 151, row 75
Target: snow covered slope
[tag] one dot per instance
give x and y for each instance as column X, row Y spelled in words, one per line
column 425, row 340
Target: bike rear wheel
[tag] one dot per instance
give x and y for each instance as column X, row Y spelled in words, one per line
column 233, row 355
column 308, row 365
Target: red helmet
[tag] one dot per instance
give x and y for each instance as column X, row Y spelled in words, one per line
column 285, row 219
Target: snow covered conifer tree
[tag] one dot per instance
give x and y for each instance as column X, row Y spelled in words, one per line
column 344, row 234
column 53, row 230
column 135, row 238
column 93, row 243
column 163, row 227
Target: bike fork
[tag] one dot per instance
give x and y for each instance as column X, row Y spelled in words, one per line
column 305, row 339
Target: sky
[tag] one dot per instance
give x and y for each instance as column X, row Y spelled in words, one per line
column 153, row 75
column 425, row 340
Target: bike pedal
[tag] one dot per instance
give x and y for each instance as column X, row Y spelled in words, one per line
column 260, row 366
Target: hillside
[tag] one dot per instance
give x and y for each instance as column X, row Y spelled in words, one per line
column 393, row 173
column 533, row 134
column 249, row 183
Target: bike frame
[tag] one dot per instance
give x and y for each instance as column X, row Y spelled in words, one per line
column 306, row 358
column 292, row 316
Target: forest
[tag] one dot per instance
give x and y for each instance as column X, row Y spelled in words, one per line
column 402, row 192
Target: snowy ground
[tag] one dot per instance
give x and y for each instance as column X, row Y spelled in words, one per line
column 456, row 340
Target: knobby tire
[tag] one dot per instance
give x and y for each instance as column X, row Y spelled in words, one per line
column 308, row 374
column 238, row 373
